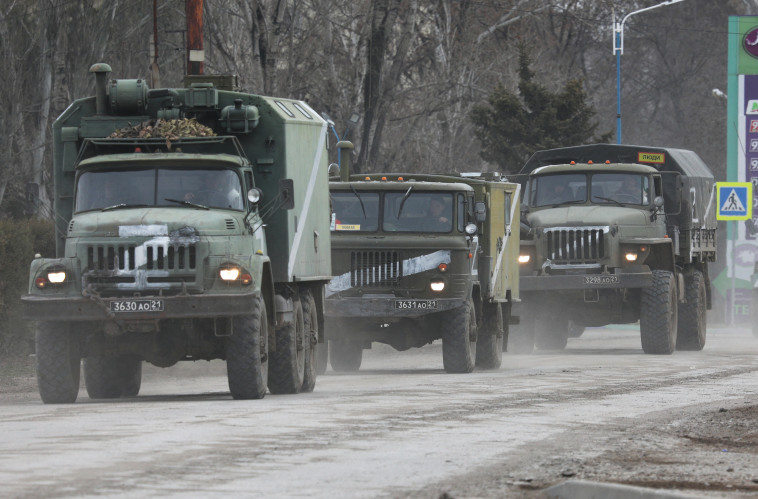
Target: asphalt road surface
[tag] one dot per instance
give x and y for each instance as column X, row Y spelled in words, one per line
column 600, row 411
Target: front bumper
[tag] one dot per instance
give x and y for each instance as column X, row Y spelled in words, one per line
column 619, row 279
column 52, row 308
column 385, row 306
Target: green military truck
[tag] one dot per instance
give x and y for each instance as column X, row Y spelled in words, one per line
column 192, row 223
column 422, row 257
column 615, row 234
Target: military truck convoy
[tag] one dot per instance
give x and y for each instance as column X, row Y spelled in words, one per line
column 613, row 234
column 176, row 247
column 417, row 258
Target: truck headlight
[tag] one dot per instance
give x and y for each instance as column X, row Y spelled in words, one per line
column 229, row 273
column 437, row 286
column 50, row 276
column 524, row 258
column 631, row 256
column 56, row 277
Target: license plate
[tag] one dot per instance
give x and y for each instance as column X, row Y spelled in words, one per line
column 137, row 305
column 416, row 304
column 601, row 279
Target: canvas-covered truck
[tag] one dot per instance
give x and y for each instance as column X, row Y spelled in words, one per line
column 192, row 224
column 419, row 258
column 615, row 234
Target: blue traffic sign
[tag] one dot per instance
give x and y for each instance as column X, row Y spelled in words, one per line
column 734, row 200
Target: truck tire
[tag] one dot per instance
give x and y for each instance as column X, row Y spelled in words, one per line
column 287, row 362
column 489, row 341
column 310, row 323
column 131, row 377
column 247, row 354
column 322, row 357
column 521, row 336
column 459, row 340
column 345, row 355
column 551, row 333
column 691, row 324
column 102, row 377
column 658, row 314
column 58, row 355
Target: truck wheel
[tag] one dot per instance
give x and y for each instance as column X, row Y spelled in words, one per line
column 287, row 363
column 345, row 355
column 58, row 355
column 102, row 377
column 551, row 333
column 658, row 315
column 322, row 357
column 459, row 340
column 690, row 333
column 131, row 375
column 521, row 336
column 310, row 323
column 489, row 342
column 247, row 354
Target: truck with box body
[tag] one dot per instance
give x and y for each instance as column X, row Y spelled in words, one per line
column 407, row 275
column 212, row 244
column 615, row 234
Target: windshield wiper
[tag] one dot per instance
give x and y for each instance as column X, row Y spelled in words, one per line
column 363, row 208
column 122, row 205
column 573, row 201
column 609, row 199
column 187, row 203
column 405, row 198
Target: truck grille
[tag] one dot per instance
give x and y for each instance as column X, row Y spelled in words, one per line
column 153, row 257
column 576, row 246
column 375, row 268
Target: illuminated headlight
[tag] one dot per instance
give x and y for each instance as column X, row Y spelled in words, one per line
column 56, row 277
column 229, row 274
column 631, row 256
column 524, row 258
column 437, row 286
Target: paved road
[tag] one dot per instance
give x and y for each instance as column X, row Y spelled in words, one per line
column 400, row 427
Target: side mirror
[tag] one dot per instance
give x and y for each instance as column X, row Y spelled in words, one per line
column 470, row 229
column 658, row 202
column 334, row 170
column 480, row 211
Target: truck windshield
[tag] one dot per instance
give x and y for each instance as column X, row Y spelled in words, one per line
column 355, row 211
column 410, row 211
column 213, row 188
column 604, row 188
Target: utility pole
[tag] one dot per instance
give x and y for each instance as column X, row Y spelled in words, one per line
column 154, row 70
column 195, row 53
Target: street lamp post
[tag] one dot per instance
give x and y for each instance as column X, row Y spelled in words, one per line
column 618, row 49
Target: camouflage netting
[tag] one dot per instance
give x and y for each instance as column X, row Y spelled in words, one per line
column 168, row 129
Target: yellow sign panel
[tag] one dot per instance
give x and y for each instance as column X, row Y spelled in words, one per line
column 348, row 227
column 651, row 157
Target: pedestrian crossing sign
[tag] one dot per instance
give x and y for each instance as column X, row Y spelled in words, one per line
column 734, row 200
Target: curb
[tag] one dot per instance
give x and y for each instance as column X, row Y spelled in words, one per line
column 581, row 489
